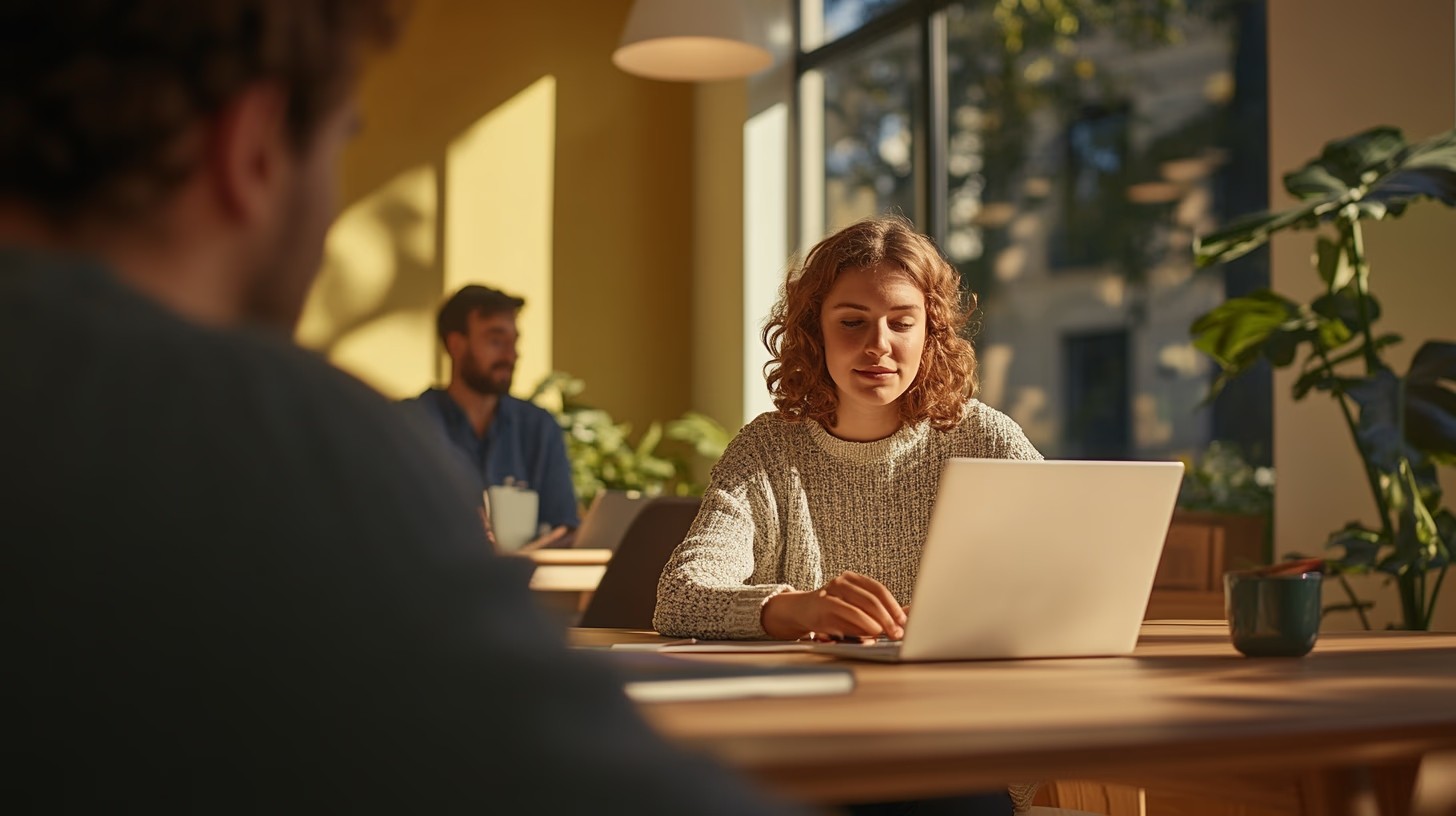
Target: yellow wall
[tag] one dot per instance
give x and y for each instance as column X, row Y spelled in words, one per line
column 506, row 239
column 603, row 250
column 720, row 109
column 1337, row 67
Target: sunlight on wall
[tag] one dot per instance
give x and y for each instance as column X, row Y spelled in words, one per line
column 765, row 212
column 1031, row 409
column 1150, row 423
column 1010, row 263
column 719, row 112
column 993, row 363
column 1112, row 290
column 504, row 240
column 1183, row 359
column 371, row 311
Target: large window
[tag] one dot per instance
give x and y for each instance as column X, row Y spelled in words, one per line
column 1063, row 155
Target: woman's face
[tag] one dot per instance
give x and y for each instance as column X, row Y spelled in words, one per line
column 873, row 321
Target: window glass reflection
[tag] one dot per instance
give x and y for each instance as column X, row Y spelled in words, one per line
column 869, row 131
column 825, row 21
column 1086, row 143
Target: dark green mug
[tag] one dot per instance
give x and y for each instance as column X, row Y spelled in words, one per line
column 1272, row 615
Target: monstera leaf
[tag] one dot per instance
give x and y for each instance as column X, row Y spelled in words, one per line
column 1376, row 172
column 1425, row 170
column 1361, row 545
column 1430, row 400
column 1267, row 326
column 1411, row 417
column 1237, row 333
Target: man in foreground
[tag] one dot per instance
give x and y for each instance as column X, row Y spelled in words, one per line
column 233, row 578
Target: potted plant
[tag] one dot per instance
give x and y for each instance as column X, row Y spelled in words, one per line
column 601, row 452
column 1222, row 488
column 1402, row 426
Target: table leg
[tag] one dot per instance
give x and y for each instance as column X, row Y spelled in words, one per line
column 1360, row 790
column 1435, row 793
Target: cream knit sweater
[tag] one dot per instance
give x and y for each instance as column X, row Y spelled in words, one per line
column 789, row 505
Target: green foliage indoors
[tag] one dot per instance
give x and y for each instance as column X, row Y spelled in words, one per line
column 603, row 456
column 1222, row 480
column 1402, row 426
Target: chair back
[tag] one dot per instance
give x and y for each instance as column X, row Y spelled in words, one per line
column 627, row 593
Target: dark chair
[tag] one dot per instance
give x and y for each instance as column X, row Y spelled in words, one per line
column 628, row 590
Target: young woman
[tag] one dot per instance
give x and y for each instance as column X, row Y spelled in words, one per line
column 815, row 516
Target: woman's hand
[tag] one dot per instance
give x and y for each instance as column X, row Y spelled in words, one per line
column 850, row 605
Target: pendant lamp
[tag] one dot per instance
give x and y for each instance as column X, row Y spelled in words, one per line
column 689, row 41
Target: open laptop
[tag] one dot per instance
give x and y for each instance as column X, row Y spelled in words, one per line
column 607, row 520
column 1034, row 559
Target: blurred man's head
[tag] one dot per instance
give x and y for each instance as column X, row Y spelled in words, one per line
column 478, row 327
column 190, row 143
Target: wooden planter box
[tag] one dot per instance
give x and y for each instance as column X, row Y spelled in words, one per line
column 1199, row 549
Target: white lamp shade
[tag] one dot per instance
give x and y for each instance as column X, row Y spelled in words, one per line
column 688, row 41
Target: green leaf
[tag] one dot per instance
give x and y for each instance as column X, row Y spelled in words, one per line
column 1430, row 399
column 707, row 438
column 1355, row 160
column 1344, row 306
column 1428, row 481
column 1417, row 538
column 1331, row 334
column 1324, row 381
column 1319, row 378
column 1235, row 333
column 1361, row 545
column 1373, row 173
column 648, row 443
column 1395, row 564
column 1378, row 430
column 1284, row 342
column 1314, row 180
column 1335, row 269
column 1446, row 528
column 1249, row 233
column 1425, row 170
column 1373, row 309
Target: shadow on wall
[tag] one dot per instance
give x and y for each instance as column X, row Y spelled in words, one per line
column 481, row 212
column 585, row 209
column 371, row 310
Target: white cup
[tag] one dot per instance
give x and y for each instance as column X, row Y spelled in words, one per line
column 513, row 513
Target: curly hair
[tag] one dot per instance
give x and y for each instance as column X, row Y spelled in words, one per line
column 798, row 380
column 100, row 95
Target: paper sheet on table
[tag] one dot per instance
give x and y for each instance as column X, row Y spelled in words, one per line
column 694, row 646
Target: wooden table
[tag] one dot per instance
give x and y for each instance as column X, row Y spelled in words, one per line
column 564, row 579
column 1185, row 711
column 568, row 570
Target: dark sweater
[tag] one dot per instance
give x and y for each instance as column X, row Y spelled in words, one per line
column 235, row 579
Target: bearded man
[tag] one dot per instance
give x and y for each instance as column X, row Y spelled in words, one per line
column 503, row 440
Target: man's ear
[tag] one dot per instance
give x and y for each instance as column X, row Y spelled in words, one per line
column 248, row 152
column 455, row 343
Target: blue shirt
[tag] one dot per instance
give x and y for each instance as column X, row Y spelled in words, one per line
column 523, row 443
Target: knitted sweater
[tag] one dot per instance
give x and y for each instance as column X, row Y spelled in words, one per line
column 789, row 505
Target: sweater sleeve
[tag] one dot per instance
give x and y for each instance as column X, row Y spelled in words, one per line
column 706, row 589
